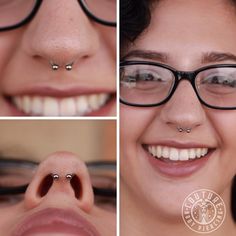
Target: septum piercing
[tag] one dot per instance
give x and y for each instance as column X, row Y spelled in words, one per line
column 55, row 66
column 55, row 176
column 181, row 129
column 67, row 176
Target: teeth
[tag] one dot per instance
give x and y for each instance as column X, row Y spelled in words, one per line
column 175, row 154
column 49, row 106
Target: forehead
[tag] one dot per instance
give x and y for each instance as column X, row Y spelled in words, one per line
column 34, row 140
column 184, row 29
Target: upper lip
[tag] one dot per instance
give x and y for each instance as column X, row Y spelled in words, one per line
column 49, row 216
column 181, row 145
column 59, row 91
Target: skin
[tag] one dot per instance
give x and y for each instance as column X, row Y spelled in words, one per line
column 184, row 31
column 60, row 195
column 66, row 35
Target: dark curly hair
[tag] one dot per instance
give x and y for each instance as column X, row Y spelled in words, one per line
column 135, row 17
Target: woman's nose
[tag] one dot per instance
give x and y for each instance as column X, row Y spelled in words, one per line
column 184, row 109
column 61, row 178
column 60, row 33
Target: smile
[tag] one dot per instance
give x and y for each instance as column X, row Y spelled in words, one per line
column 53, row 106
column 176, row 154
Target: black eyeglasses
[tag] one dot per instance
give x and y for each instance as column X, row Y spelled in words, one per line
column 15, row 13
column 148, row 84
column 15, row 176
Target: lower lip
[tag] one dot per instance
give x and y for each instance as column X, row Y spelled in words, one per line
column 57, row 229
column 177, row 168
column 103, row 111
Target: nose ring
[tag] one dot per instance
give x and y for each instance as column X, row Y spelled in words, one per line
column 181, row 129
column 55, row 66
column 69, row 176
column 55, row 176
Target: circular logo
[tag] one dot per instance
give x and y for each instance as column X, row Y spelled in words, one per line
column 203, row 211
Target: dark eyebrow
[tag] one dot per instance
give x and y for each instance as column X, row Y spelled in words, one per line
column 212, row 57
column 147, row 54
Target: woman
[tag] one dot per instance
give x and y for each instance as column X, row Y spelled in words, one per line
column 178, row 84
column 61, row 195
column 57, row 58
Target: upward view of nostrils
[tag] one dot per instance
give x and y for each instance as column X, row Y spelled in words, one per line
column 61, row 176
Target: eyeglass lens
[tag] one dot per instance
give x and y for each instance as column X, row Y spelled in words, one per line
column 14, row 12
column 145, row 84
column 148, row 84
column 102, row 9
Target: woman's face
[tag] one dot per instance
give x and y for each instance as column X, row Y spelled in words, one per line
column 185, row 35
column 60, row 33
column 50, row 202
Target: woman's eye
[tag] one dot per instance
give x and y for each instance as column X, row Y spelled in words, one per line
column 220, row 80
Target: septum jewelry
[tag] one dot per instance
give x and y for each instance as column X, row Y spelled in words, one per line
column 181, row 129
column 67, row 176
column 55, row 66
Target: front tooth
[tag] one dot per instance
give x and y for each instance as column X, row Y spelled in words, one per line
column 165, row 152
column 183, row 155
column 82, row 105
column 37, row 106
column 67, row 107
column 174, row 154
column 51, row 107
column 192, row 153
column 159, row 151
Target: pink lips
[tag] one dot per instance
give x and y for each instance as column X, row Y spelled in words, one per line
column 55, row 221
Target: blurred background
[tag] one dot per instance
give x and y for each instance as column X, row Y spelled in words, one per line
column 35, row 139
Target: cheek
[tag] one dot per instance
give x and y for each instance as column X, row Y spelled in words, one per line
column 8, row 44
column 134, row 123
column 225, row 126
column 108, row 38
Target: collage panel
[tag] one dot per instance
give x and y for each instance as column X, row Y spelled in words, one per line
column 57, row 177
column 58, row 58
column 177, row 117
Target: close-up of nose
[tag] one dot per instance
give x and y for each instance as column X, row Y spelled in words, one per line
column 183, row 108
column 61, row 178
column 61, row 38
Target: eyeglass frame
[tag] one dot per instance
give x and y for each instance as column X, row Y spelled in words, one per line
column 178, row 75
column 104, row 192
column 36, row 7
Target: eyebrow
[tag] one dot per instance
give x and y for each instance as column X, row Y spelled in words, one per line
column 212, row 57
column 147, row 54
column 209, row 57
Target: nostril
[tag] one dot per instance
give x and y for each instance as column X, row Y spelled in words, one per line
column 77, row 187
column 45, row 185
